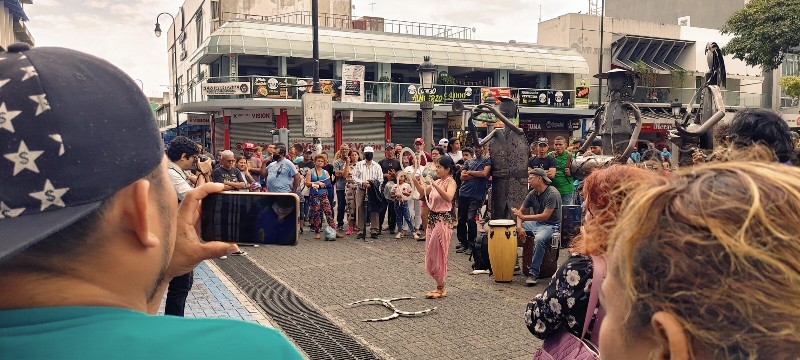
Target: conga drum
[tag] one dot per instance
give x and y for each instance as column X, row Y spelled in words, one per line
column 502, row 249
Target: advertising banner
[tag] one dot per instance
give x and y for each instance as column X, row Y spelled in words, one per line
column 250, row 116
column 353, row 83
column 545, row 98
column 226, row 88
column 495, row 93
column 270, row 87
column 582, row 93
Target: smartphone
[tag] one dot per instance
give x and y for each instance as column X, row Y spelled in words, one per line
column 250, row 217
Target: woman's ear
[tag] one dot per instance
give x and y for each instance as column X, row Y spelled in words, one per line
column 672, row 341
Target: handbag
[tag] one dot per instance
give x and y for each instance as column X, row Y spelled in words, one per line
column 564, row 345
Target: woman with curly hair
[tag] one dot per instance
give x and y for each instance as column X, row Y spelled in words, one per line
column 563, row 304
column 704, row 265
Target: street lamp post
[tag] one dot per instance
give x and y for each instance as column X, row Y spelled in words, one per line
column 174, row 64
column 427, row 77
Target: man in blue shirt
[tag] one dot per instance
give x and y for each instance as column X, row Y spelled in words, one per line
column 84, row 258
column 282, row 176
column 471, row 195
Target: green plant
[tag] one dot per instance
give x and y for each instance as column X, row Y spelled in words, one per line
column 791, row 87
column 645, row 73
column 385, row 79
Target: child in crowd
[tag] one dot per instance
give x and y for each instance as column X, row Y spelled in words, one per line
column 400, row 194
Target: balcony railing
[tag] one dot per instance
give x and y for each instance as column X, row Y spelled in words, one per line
column 292, row 88
column 361, row 23
column 665, row 95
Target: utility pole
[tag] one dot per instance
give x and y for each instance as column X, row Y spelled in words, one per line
column 600, row 67
column 316, row 89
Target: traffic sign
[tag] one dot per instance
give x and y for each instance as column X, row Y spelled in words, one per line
column 317, row 115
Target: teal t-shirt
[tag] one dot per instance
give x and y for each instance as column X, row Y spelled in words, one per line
column 561, row 181
column 89, row 333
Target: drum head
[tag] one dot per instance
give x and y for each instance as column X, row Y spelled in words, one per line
column 502, row 222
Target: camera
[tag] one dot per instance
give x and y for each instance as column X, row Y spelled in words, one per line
column 202, row 157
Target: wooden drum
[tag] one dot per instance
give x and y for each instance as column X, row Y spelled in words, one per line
column 502, row 249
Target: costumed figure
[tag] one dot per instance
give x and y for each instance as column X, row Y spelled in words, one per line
column 508, row 147
column 612, row 124
column 694, row 134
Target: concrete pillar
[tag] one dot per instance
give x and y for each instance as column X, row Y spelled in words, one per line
column 542, row 81
column 501, row 78
column 337, row 69
column 283, row 66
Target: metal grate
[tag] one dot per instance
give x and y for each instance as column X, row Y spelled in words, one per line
column 315, row 334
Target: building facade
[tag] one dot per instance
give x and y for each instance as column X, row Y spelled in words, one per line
column 669, row 60
column 12, row 23
column 710, row 14
column 265, row 62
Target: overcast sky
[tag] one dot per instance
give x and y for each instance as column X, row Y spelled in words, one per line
column 122, row 31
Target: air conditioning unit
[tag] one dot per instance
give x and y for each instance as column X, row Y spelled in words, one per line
column 685, row 21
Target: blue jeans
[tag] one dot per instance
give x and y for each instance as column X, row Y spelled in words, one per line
column 542, row 233
column 401, row 213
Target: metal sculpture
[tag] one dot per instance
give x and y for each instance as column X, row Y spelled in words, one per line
column 695, row 135
column 508, row 147
column 612, row 123
column 388, row 304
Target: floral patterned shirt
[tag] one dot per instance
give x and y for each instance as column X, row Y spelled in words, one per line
column 564, row 301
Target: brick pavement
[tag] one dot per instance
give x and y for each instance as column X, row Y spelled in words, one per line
column 480, row 319
column 214, row 296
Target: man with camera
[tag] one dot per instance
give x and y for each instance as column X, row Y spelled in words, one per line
column 183, row 154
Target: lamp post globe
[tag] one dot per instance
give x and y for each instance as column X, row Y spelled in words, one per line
column 158, row 30
column 427, row 78
column 676, row 109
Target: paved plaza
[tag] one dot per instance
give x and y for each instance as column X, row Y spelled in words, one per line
column 480, row 319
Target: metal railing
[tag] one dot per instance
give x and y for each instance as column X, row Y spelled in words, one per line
column 360, row 23
column 666, row 95
column 292, row 88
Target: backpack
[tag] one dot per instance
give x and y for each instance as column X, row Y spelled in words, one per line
column 480, row 253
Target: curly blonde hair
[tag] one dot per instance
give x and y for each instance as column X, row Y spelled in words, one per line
column 717, row 246
column 603, row 192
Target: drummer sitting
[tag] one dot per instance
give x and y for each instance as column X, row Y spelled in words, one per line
column 539, row 217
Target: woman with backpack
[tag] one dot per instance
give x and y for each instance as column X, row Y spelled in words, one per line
column 565, row 303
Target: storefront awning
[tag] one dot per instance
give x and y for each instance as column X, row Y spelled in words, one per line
column 276, row 39
column 659, row 54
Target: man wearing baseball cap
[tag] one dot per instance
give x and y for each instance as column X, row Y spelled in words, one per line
column 539, row 216
column 85, row 256
column 419, row 147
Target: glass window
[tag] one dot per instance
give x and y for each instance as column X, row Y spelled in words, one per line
column 198, row 21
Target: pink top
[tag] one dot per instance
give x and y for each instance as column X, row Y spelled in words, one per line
column 437, row 203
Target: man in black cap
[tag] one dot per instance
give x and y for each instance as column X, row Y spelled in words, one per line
column 390, row 167
column 85, row 254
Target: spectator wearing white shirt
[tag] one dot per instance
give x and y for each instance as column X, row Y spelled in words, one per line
column 367, row 170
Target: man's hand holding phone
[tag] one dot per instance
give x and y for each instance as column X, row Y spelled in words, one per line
column 189, row 250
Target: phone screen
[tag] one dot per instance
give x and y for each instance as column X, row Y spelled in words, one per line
column 254, row 218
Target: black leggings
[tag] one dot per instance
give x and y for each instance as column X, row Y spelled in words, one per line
column 341, row 204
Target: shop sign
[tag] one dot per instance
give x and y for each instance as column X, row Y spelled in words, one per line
column 250, row 116
column 665, row 126
column 226, row 88
column 545, row 125
column 271, row 87
column 198, row 119
column 545, row 98
column 456, row 122
column 441, row 94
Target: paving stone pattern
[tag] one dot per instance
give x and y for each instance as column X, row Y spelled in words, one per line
column 214, row 296
column 480, row 319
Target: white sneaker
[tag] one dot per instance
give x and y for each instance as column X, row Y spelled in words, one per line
column 223, row 257
column 530, row 281
column 479, row 272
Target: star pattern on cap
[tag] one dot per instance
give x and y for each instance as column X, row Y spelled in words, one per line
column 57, row 138
column 3, row 82
column 7, row 212
column 49, row 196
column 24, row 159
column 6, row 116
column 30, row 72
column 41, row 100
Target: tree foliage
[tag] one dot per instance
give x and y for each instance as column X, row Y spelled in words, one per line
column 791, row 87
column 764, row 31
